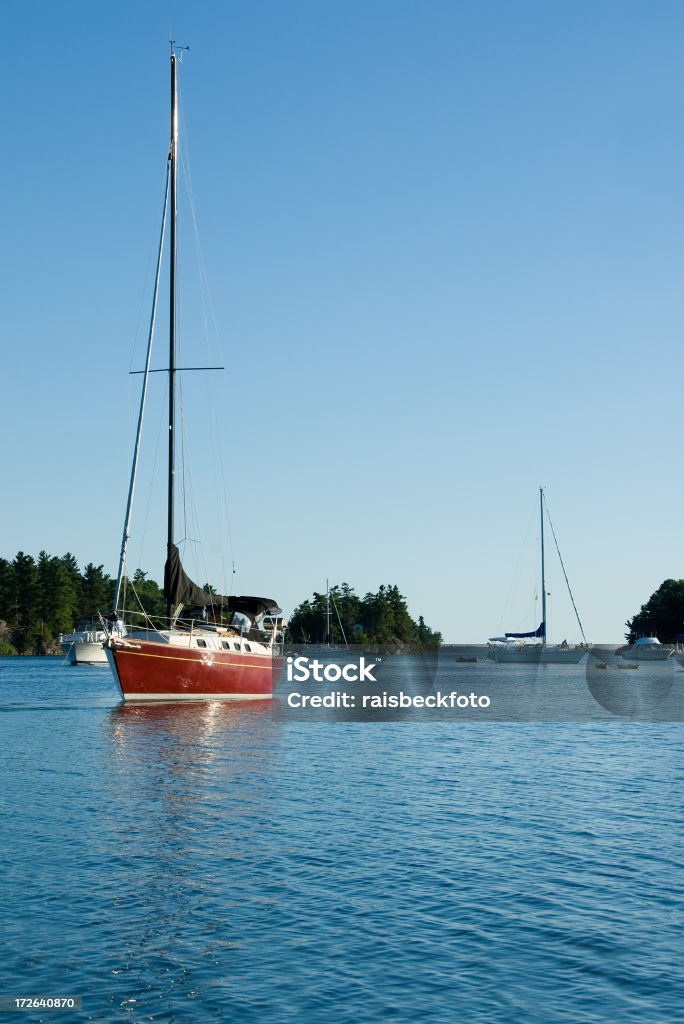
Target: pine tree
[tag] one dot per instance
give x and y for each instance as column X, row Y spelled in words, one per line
column 7, row 593
column 25, row 576
column 58, row 598
column 95, row 589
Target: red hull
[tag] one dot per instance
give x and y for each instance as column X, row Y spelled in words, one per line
column 156, row 671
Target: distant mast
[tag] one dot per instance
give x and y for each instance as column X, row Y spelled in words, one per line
column 543, row 576
column 328, row 638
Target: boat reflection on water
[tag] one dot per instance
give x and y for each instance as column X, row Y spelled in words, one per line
column 200, row 772
column 194, row 711
column 191, row 735
column 190, row 796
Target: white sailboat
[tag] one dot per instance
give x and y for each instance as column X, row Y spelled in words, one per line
column 532, row 647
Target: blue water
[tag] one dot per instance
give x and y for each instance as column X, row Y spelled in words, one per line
column 209, row 863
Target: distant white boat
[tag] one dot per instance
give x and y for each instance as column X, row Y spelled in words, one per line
column 516, row 648
column 85, row 646
column 648, row 648
column 515, row 652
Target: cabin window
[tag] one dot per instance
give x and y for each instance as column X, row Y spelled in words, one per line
column 248, row 648
column 201, row 643
column 237, row 646
column 225, row 645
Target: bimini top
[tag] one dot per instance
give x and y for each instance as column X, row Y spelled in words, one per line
column 647, row 641
column 180, row 589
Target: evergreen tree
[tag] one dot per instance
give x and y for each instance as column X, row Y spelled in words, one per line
column 95, row 589
column 381, row 618
column 71, row 566
column 58, row 599
column 662, row 616
column 25, row 577
column 148, row 594
column 7, row 593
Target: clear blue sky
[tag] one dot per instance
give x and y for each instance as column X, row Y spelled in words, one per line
column 445, row 247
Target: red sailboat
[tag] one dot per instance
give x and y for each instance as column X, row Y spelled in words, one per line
column 212, row 647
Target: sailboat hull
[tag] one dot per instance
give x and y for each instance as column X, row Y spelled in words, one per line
column 528, row 654
column 148, row 671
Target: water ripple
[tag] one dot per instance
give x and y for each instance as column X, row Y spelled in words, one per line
column 207, row 862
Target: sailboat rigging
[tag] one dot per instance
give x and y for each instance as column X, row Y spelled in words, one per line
column 512, row 648
column 211, row 647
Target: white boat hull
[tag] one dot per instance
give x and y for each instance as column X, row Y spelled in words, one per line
column 527, row 654
column 84, row 654
column 648, row 655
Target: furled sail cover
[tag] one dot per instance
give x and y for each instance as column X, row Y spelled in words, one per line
column 541, row 632
column 179, row 589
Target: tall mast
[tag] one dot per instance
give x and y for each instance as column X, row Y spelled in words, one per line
column 543, row 577
column 173, row 174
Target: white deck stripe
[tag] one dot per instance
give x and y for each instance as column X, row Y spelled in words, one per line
column 147, row 698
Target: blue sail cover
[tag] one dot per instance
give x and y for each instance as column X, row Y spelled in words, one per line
column 539, row 633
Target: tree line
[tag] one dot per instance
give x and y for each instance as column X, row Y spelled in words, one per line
column 42, row 597
column 48, row 595
column 45, row 596
column 341, row 615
